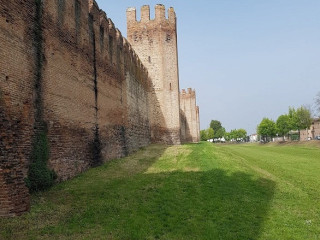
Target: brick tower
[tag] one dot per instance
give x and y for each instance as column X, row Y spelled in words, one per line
column 189, row 116
column 155, row 42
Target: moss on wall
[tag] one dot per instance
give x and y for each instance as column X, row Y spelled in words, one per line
column 40, row 177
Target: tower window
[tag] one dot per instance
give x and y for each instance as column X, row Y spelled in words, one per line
column 149, row 59
column 170, row 87
column 135, row 37
column 168, row 38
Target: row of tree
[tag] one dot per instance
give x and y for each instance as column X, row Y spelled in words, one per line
column 217, row 131
column 295, row 120
column 236, row 135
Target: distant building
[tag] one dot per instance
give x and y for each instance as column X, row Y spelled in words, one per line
column 253, row 137
column 312, row 132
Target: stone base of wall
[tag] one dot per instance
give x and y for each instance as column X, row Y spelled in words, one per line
column 163, row 135
column 14, row 195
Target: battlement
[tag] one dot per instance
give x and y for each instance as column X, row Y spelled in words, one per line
column 187, row 93
column 120, row 50
column 94, row 10
column 111, row 25
column 70, row 18
column 160, row 14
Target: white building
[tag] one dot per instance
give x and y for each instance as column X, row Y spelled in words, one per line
column 253, row 137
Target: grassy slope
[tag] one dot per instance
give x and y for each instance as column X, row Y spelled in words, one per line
column 295, row 208
column 199, row 191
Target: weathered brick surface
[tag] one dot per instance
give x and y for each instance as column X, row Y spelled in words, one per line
column 91, row 78
column 16, row 103
column 68, row 76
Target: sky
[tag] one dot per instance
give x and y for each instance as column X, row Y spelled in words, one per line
column 246, row 59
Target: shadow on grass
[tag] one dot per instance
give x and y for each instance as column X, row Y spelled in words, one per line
column 211, row 204
column 179, row 205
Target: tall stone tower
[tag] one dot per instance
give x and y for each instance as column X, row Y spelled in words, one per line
column 189, row 111
column 155, row 42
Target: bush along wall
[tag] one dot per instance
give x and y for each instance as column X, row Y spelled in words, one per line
column 40, row 177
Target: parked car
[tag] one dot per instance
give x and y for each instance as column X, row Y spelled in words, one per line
column 317, row 137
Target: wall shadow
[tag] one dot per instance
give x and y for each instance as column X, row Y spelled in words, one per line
column 123, row 201
column 212, row 204
column 194, row 205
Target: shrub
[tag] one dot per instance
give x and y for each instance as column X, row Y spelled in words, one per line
column 40, row 177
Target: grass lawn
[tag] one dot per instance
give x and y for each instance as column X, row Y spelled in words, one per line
column 196, row 191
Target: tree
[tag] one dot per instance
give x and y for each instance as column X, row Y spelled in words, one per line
column 227, row 136
column 304, row 118
column 293, row 118
column 236, row 134
column 203, row 135
column 215, row 125
column 242, row 133
column 283, row 125
column 267, row 128
column 233, row 134
column 220, row 133
column 210, row 133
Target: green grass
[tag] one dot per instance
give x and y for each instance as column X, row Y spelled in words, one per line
column 196, row 191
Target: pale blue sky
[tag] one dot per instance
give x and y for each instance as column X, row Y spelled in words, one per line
column 247, row 59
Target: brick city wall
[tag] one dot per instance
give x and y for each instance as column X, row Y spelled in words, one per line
column 96, row 87
column 66, row 70
column 65, row 64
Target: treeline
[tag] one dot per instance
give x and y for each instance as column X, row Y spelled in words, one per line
column 217, row 132
column 294, row 121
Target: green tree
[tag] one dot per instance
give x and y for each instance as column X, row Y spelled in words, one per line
column 220, row 133
column 241, row 133
column 293, row 118
column 304, row 118
column 215, row 125
column 267, row 128
column 283, row 125
column 203, row 135
column 227, row 136
column 232, row 135
column 237, row 134
column 210, row 133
